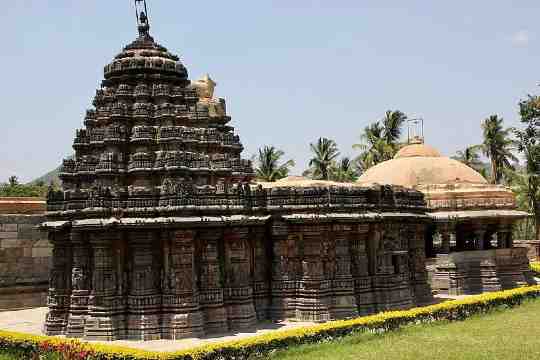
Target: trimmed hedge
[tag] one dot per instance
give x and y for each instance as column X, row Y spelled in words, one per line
column 29, row 345
column 535, row 267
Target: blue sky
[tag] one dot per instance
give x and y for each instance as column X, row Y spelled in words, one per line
column 291, row 71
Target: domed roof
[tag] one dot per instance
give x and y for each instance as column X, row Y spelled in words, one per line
column 415, row 150
column 420, row 164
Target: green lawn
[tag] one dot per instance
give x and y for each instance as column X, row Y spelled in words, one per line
column 509, row 334
column 505, row 334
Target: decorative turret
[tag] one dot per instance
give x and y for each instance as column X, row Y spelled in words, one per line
column 152, row 128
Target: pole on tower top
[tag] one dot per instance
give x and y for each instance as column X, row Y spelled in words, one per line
column 141, row 13
column 415, row 131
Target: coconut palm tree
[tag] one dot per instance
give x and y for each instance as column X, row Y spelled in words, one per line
column 344, row 171
column 526, row 185
column 392, row 123
column 325, row 152
column 529, row 145
column 497, row 146
column 380, row 140
column 471, row 157
column 268, row 164
column 374, row 147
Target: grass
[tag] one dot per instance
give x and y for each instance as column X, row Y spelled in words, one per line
column 501, row 334
column 505, row 334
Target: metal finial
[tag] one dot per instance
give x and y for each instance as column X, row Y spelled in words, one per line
column 415, row 131
column 141, row 12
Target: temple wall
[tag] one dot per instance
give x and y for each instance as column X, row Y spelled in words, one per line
column 474, row 272
column 532, row 246
column 25, row 256
column 182, row 282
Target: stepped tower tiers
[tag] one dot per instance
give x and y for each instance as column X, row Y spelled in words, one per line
column 159, row 232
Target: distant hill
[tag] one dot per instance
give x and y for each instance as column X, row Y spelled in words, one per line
column 51, row 176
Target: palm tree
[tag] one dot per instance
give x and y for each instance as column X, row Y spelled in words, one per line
column 344, row 171
column 268, row 166
column 380, row 140
column 497, row 146
column 470, row 157
column 529, row 144
column 13, row 180
column 526, row 186
column 325, row 152
column 393, row 122
column 374, row 147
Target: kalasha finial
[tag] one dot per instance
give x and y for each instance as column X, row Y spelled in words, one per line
column 415, row 131
column 141, row 12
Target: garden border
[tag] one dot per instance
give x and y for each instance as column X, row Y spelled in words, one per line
column 29, row 345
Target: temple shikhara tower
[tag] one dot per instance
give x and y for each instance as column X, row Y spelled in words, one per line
column 160, row 233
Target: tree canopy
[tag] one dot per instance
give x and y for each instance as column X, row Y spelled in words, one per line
column 13, row 188
column 268, row 164
column 325, row 152
column 497, row 146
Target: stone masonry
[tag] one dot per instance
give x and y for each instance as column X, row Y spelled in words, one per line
column 160, row 233
column 25, row 255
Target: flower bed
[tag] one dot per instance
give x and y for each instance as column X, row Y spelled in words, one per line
column 263, row 344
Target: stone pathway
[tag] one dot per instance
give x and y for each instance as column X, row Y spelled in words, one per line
column 31, row 322
column 25, row 321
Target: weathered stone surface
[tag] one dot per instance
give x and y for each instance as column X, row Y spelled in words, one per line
column 474, row 272
column 159, row 232
column 24, row 261
column 532, row 246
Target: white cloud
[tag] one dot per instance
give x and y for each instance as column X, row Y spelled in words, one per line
column 521, row 38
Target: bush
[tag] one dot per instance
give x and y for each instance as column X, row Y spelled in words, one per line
column 264, row 344
column 535, row 267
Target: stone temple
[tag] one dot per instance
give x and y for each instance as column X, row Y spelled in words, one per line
column 159, row 232
column 469, row 242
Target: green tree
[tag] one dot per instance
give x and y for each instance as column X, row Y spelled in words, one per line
column 497, row 146
column 380, row 140
column 325, row 152
column 13, row 180
column 470, row 156
column 393, row 122
column 344, row 171
column 528, row 140
column 269, row 167
column 12, row 188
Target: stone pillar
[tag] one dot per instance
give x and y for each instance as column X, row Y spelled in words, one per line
column 317, row 253
column 507, row 235
column 106, row 308
column 238, row 291
column 260, row 265
column 359, row 251
column 374, row 241
column 182, row 316
column 479, row 238
column 445, row 236
column 502, row 237
column 417, row 264
column 80, row 280
column 144, row 299
column 343, row 295
column 211, row 281
column 460, row 239
column 58, row 299
column 284, row 274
